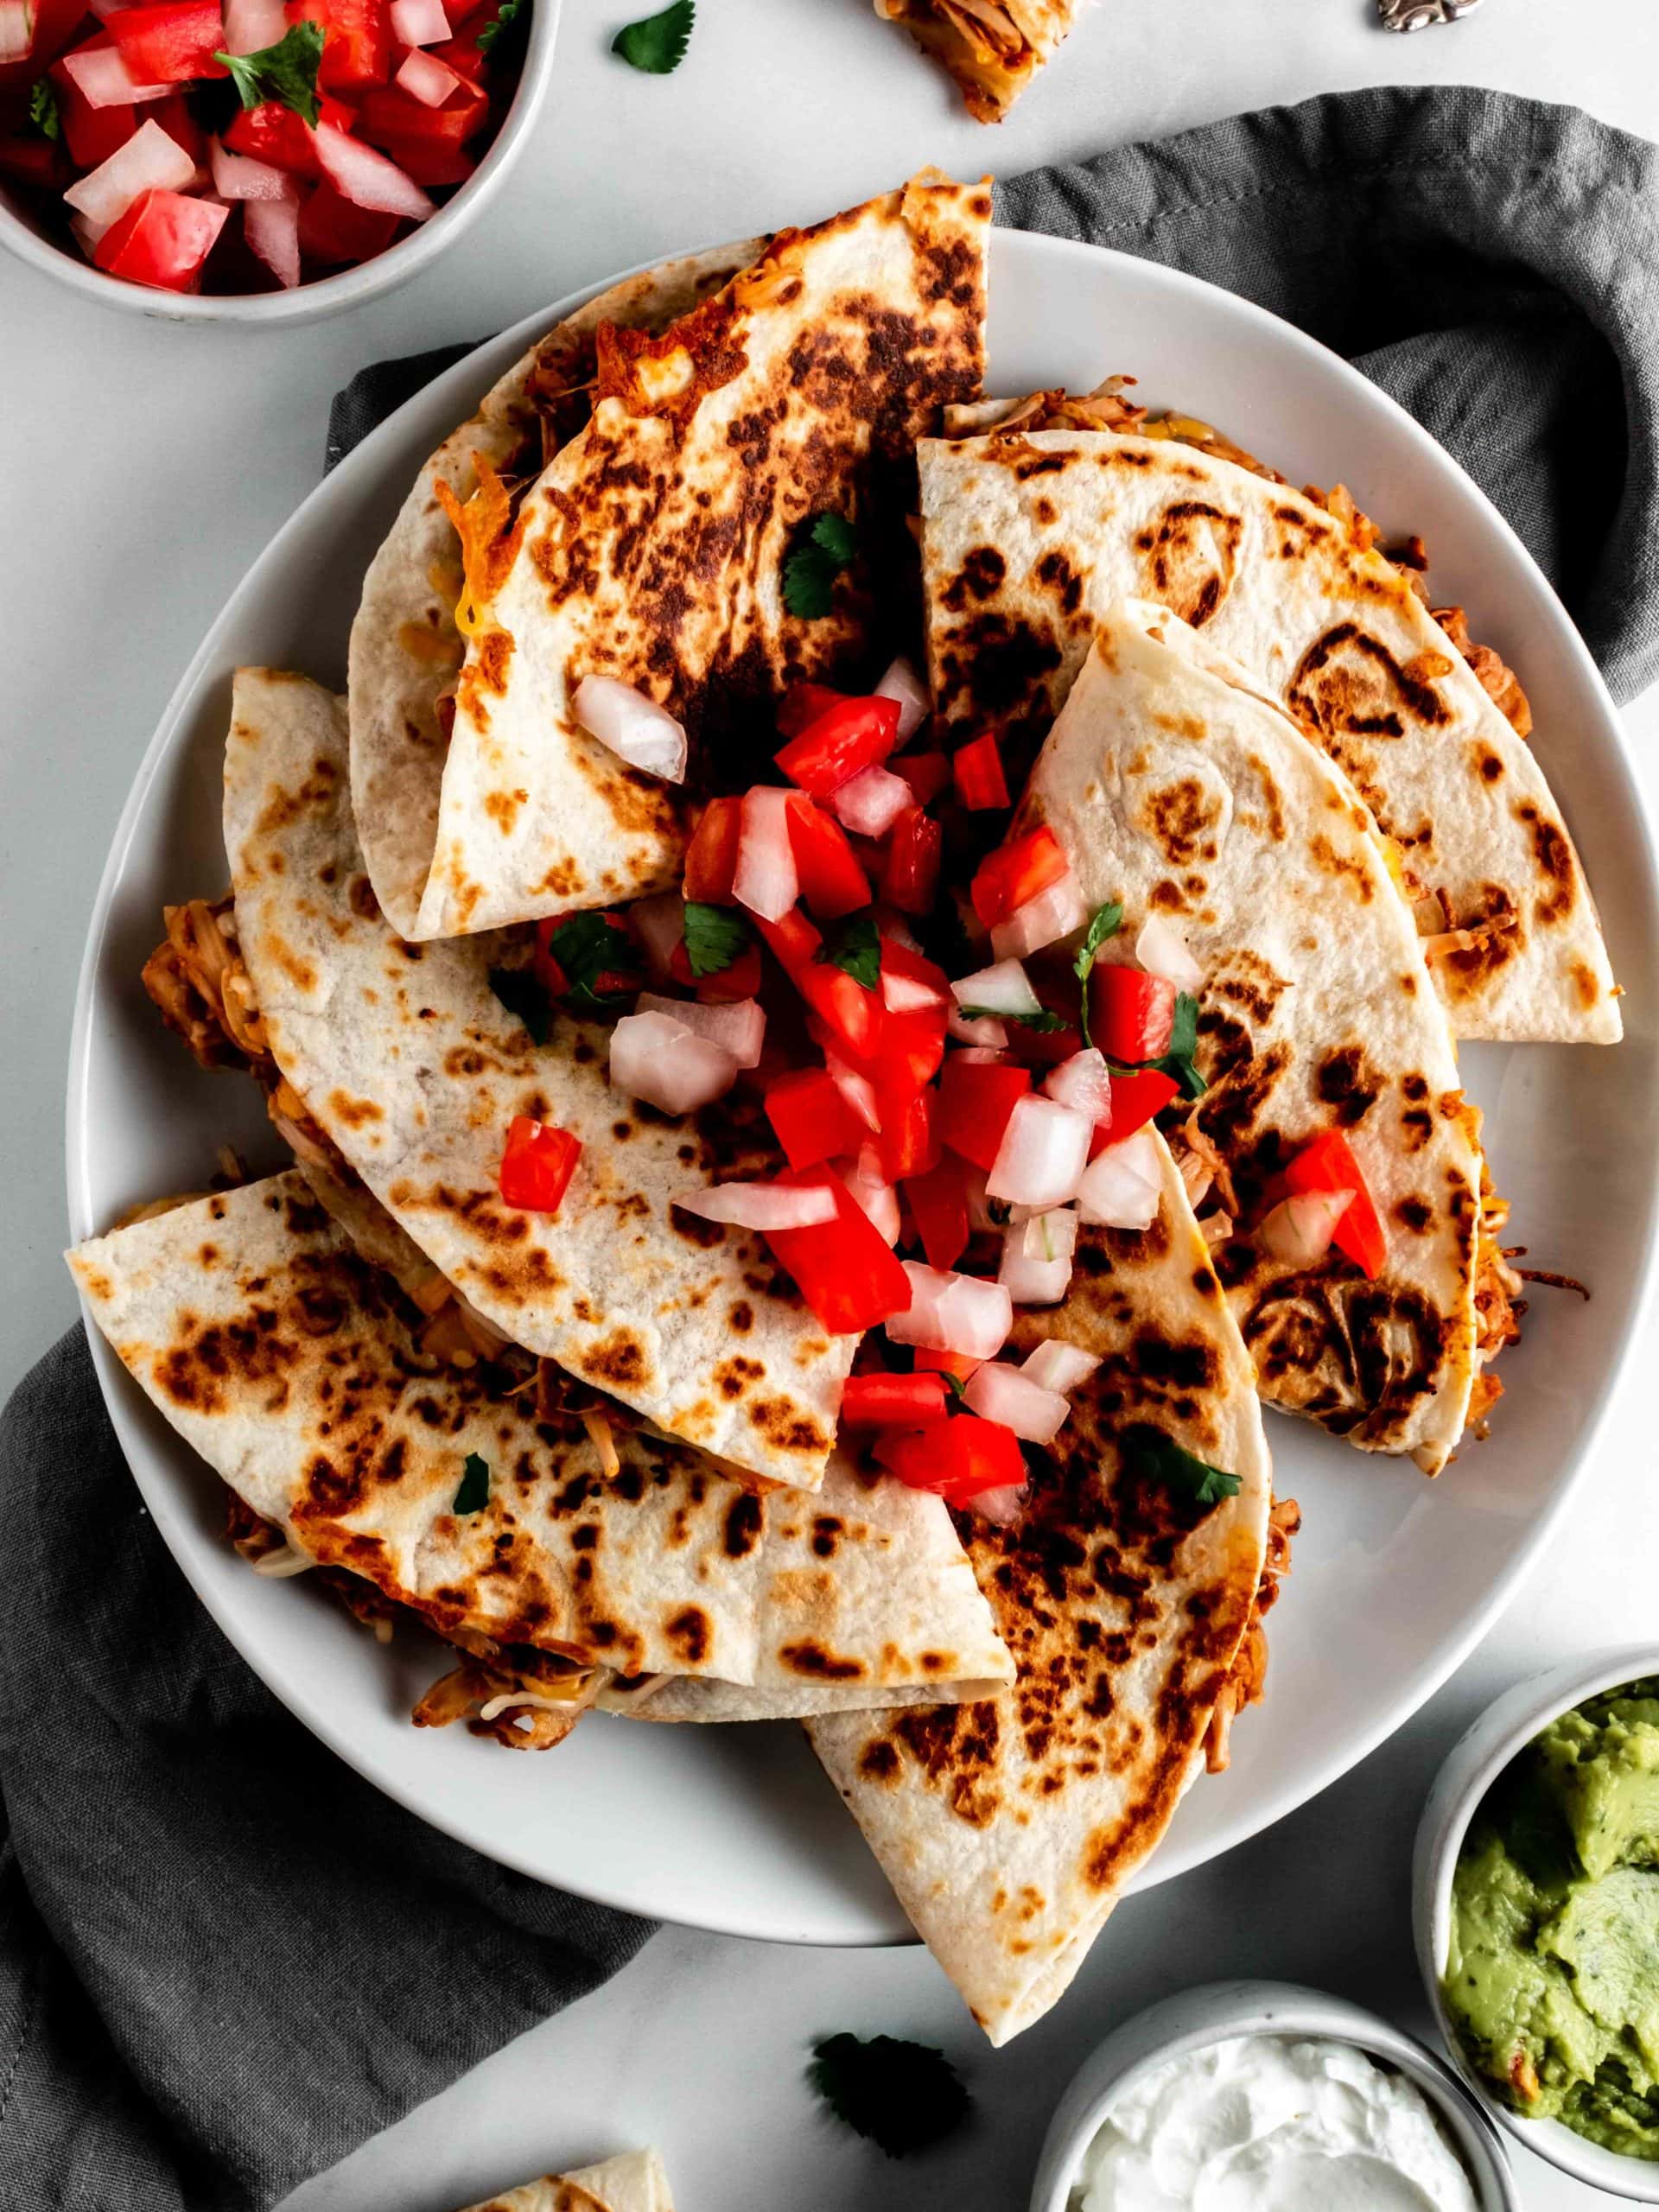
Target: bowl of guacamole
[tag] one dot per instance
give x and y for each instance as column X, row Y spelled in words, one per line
column 1538, row 1908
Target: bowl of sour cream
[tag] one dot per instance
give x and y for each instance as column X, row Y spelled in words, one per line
column 1263, row 2096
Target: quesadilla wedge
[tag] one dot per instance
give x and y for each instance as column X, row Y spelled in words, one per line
column 1031, row 534
column 1125, row 1590
column 1182, row 795
column 293, row 1366
column 408, row 1062
column 992, row 47
column 651, row 551
column 633, row 2183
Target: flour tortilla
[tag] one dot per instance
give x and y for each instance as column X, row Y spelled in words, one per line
column 634, row 2183
column 291, row 1366
column 1030, row 537
column 405, row 647
column 992, row 47
column 406, row 1058
column 652, row 549
column 1009, row 1827
column 1177, row 787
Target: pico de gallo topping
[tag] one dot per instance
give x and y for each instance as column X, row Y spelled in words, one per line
column 238, row 146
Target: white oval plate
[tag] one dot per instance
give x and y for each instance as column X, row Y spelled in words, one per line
column 734, row 1828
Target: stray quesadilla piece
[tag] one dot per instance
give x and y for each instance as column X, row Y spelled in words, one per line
column 415, row 1070
column 652, row 552
column 992, row 47
column 1343, row 1160
column 1031, row 534
column 1125, row 1590
column 406, row 650
column 293, row 1367
column 633, row 2183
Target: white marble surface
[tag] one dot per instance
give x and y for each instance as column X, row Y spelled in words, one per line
column 144, row 466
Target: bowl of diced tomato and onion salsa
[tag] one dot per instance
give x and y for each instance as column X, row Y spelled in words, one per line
column 257, row 159
column 905, row 980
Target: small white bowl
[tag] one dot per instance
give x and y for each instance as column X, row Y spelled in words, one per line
column 1475, row 1763
column 1186, row 2023
column 328, row 294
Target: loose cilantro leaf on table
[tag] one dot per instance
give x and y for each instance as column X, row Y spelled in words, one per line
column 1194, row 1479
column 657, row 43
column 1045, row 1020
column 43, row 112
column 855, row 946
column 810, row 573
column 588, row 948
column 527, row 996
column 903, row 2096
column 715, row 937
column 507, row 31
column 285, row 72
column 474, row 1494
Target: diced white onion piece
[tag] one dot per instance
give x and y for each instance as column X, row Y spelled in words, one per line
column 430, row 81
column 1084, row 1082
column 236, row 176
column 1058, row 1366
column 857, row 1090
column 1003, row 989
column 149, row 160
column 1043, row 1151
column 1005, row 1395
column 366, row 178
column 16, row 29
column 869, row 803
column 764, row 879
column 907, row 994
column 873, row 1191
column 999, row 1507
column 1121, row 1187
column 659, row 924
column 1034, row 1282
column 104, row 80
column 633, row 726
column 901, row 683
column 952, row 1313
column 252, row 25
column 272, row 230
column 759, row 1206
column 1053, row 913
column 419, row 23
column 1161, row 951
column 1052, row 1235
column 739, row 1027
column 984, row 1030
column 657, row 1058
column 88, row 232
column 1300, row 1227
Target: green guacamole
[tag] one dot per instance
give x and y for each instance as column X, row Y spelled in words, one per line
column 1553, row 1976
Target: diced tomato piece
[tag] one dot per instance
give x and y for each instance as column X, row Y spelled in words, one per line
column 955, row 1459
column 910, row 877
column 175, row 116
column 163, row 240
column 907, row 1144
column 169, row 41
column 463, row 53
column 975, row 1099
column 740, row 980
column 711, row 856
column 273, row 133
column 537, row 1165
column 388, row 117
column 1043, row 1048
column 357, row 38
column 899, row 960
column 92, row 134
column 927, row 774
column 1131, row 1015
column 1016, row 872
column 914, row 1043
column 812, row 1120
column 802, row 704
column 793, row 940
column 429, row 161
column 1328, row 1164
column 55, row 22
column 959, row 1363
column 36, row 161
column 843, row 1269
column 1136, row 1099
column 853, row 734
column 878, row 1401
column 333, row 229
column 851, row 1015
column 978, row 771
column 832, row 882
column 938, row 1206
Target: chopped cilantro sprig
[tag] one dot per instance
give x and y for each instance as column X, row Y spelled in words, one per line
column 285, row 72
column 825, row 548
column 715, row 938
column 855, row 946
column 474, row 1494
column 43, row 111
column 1159, row 1456
column 902, row 2096
column 657, row 43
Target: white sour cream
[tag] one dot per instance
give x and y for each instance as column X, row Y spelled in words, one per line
column 1273, row 2124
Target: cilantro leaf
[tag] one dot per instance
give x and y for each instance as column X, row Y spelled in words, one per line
column 1183, row 1044
column 855, row 946
column 506, row 32
column 1045, row 1020
column 43, row 111
column 956, row 1389
column 285, row 72
column 474, row 1494
column 1109, row 919
column 903, row 2096
column 715, row 937
column 1160, row 1457
column 823, row 551
column 657, row 43
column 590, row 948
column 526, row 996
